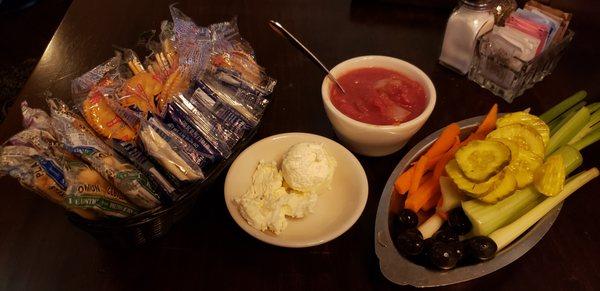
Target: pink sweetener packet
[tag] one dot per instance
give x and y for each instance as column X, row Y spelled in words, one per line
column 531, row 28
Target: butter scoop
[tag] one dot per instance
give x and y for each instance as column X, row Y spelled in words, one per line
column 307, row 167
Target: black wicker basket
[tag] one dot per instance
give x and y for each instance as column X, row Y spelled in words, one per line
column 154, row 223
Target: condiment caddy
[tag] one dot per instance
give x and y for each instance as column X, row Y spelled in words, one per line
column 503, row 48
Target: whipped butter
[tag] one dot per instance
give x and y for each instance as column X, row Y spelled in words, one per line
column 275, row 195
column 307, row 166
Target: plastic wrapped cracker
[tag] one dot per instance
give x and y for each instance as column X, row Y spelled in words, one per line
column 35, row 118
column 173, row 153
column 89, row 190
column 232, row 60
column 116, row 121
column 133, row 61
column 139, row 93
column 84, row 84
column 67, row 182
column 103, row 119
column 228, row 116
column 88, row 93
column 176, row 121
column 18, row 161
column 129, row 180
column 178, row 82
column 167, row 41
column 219, row 136
column 192, row 42
column 249, row 105
column 135, row 153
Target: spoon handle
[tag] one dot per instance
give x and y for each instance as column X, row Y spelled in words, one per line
column 277, row 27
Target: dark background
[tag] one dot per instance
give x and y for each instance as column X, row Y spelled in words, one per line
column 41, row 250
column 26, row 28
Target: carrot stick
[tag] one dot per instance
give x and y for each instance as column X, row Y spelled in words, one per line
column 443, row 144
column 487, row 125
column 438, row 170
column 435, row 197
column 442, row 214
column 417, row 175
column 431, row 162
column 440, row 202
column 489, row 122
column 439, row 147
column 444, row 141
column 416, row 201
column 402, row 183
column 428, row 189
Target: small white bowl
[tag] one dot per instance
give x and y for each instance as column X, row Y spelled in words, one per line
column 369, row 139
column 336, row 210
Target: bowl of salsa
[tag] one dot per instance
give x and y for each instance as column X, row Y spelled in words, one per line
column 387, row 100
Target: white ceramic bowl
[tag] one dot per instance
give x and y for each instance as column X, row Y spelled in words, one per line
column 336, row 210
column 376, row 140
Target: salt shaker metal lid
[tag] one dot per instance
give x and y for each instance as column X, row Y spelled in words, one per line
column 479, row 4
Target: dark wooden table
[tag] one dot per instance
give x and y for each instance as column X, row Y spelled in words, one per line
column 41, row 250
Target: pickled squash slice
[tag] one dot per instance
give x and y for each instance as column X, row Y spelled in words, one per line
column 549, row 179
column 525, row 118
column 525, row 136
column 503, row 187
column 463, row 183
column 523, row 163
column 481, row 159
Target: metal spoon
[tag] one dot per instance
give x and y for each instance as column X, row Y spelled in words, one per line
column 295, row 42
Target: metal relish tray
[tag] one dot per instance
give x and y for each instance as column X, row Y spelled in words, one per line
column 401, row 271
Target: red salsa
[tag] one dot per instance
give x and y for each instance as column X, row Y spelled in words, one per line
column 379, row 96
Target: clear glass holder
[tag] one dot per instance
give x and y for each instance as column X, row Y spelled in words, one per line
column 509, row 77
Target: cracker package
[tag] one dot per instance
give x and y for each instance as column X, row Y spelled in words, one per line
column 82, row 142
column 172, row 152
column 232, row 60
column 116, row 119
column 38, row 161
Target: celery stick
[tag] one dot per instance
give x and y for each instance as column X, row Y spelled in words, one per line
column 594, row 120
column 563, row 106
column 566, row 132
column 451, row 198
column 572, row 158
column 557, row 123
column 594, row 106
column 431, row 226
column 595, row 127
column 589, row 139
column 486, row 218
column 505, row 235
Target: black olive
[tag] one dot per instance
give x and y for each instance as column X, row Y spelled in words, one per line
column 480, row 248
column 427, row 244
column 414, row 231
column 443, row 256
column 446, row 235
column 460, row 250
column 407, row 219
column 458, row 221
column 410, row 242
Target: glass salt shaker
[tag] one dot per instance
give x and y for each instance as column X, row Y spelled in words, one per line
column 469, row 20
